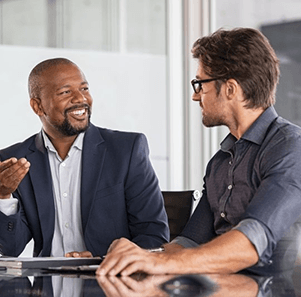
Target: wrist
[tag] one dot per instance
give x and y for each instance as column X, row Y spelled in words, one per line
column 156, row 250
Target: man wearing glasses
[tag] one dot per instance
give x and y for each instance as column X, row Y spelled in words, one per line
column 75, row 187
column 249, row 211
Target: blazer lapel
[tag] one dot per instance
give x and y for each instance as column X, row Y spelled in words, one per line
column 94, row 150
column 41, row 179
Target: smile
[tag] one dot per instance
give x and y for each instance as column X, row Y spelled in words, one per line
column 79, row 112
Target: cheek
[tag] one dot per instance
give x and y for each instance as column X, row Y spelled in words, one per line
column 89, row 100
column 206, row 102
column 56, row 111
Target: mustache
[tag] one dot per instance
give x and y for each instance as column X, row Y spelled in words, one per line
column 79, row 106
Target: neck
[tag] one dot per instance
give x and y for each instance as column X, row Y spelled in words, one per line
column 62, row 144
column 243, row 120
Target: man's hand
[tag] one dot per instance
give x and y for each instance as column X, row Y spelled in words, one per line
column 74, row 254
column 12, row 171
column 227, row 253
column 125, row 257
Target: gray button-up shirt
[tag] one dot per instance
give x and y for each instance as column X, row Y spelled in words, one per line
column 252, row 184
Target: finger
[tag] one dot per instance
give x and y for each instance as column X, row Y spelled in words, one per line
column 121, row 245
column 116, row 261
column 107, row 286
column 122, row 289
column 7, row 163
column 75, row 254
column 136, row 266
column 107, row 264
column 14, row 169
column 13, row 163
column 132, row 283
column 69, row 255
column 113, row 245
column 11, row 177
column 123, row 263
column 85, row 254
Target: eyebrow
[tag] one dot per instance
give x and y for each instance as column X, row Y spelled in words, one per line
column 68, row 86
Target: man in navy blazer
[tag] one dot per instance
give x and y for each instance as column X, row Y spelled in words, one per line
column 114, row 188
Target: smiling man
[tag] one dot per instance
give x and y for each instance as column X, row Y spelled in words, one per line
column 74, row 187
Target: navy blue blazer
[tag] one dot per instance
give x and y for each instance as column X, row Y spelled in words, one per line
column 120, row 196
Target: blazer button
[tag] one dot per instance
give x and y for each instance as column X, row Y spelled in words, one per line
column 10, row 226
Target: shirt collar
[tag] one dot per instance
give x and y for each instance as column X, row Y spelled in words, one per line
column 78, row 143
column 256, row 133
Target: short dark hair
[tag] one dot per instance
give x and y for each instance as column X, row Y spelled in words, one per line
column 34, row 82
column 245, row 55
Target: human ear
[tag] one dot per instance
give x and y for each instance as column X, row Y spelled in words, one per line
column 36, row 106
column 231, row 88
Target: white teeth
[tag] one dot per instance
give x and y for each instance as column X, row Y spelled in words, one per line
column 79, row 112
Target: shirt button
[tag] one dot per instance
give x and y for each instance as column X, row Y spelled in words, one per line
column 229, row 187
column 223, row 215
column 67, row 225
column 230, row 162
column 63, row 164
column 65, row 195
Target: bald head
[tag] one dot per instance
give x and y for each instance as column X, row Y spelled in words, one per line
column 34, row 79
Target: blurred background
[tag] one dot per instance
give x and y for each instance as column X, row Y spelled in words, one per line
column 136, row 57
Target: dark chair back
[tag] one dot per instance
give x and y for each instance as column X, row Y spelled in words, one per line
column 178, row 205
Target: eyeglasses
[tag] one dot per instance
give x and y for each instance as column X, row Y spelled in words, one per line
column 197, row 83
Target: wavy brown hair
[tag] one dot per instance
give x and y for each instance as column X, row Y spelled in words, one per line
column 245, row 55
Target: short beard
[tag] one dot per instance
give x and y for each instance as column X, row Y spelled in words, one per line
column 209, row 122
column 68, row 130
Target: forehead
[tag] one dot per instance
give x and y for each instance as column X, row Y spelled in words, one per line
column 62, row 74
column 200, row 73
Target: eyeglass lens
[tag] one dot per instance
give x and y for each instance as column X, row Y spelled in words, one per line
column 197, row 86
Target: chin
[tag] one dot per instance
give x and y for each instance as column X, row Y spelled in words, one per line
column 71, row 130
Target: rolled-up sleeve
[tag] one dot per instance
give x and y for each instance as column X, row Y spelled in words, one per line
column 255, row 232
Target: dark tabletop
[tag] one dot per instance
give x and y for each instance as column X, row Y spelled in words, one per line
column 85, row 283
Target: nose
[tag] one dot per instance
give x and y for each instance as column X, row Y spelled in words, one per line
column 196, row 96
column 78, row 97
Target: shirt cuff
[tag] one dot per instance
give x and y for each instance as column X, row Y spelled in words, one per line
column 255, row 233
column 9, row 206
column 185, row 242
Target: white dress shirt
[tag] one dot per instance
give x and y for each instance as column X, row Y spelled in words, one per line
column 66, row 179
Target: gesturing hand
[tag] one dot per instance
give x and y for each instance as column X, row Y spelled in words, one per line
column 12, row 171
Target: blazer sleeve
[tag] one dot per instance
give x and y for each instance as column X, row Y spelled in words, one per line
column 147, row 217
column 14, row 231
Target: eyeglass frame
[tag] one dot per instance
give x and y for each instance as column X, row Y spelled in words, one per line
column 201, row 81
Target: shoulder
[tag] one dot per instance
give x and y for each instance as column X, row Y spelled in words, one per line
column 117, row 143
column 18, row 149
column 283, row 132
column 117, row 136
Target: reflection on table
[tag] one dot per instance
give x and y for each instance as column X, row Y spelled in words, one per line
column 45, row 283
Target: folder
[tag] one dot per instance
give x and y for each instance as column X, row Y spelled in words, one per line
column 46, row 262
